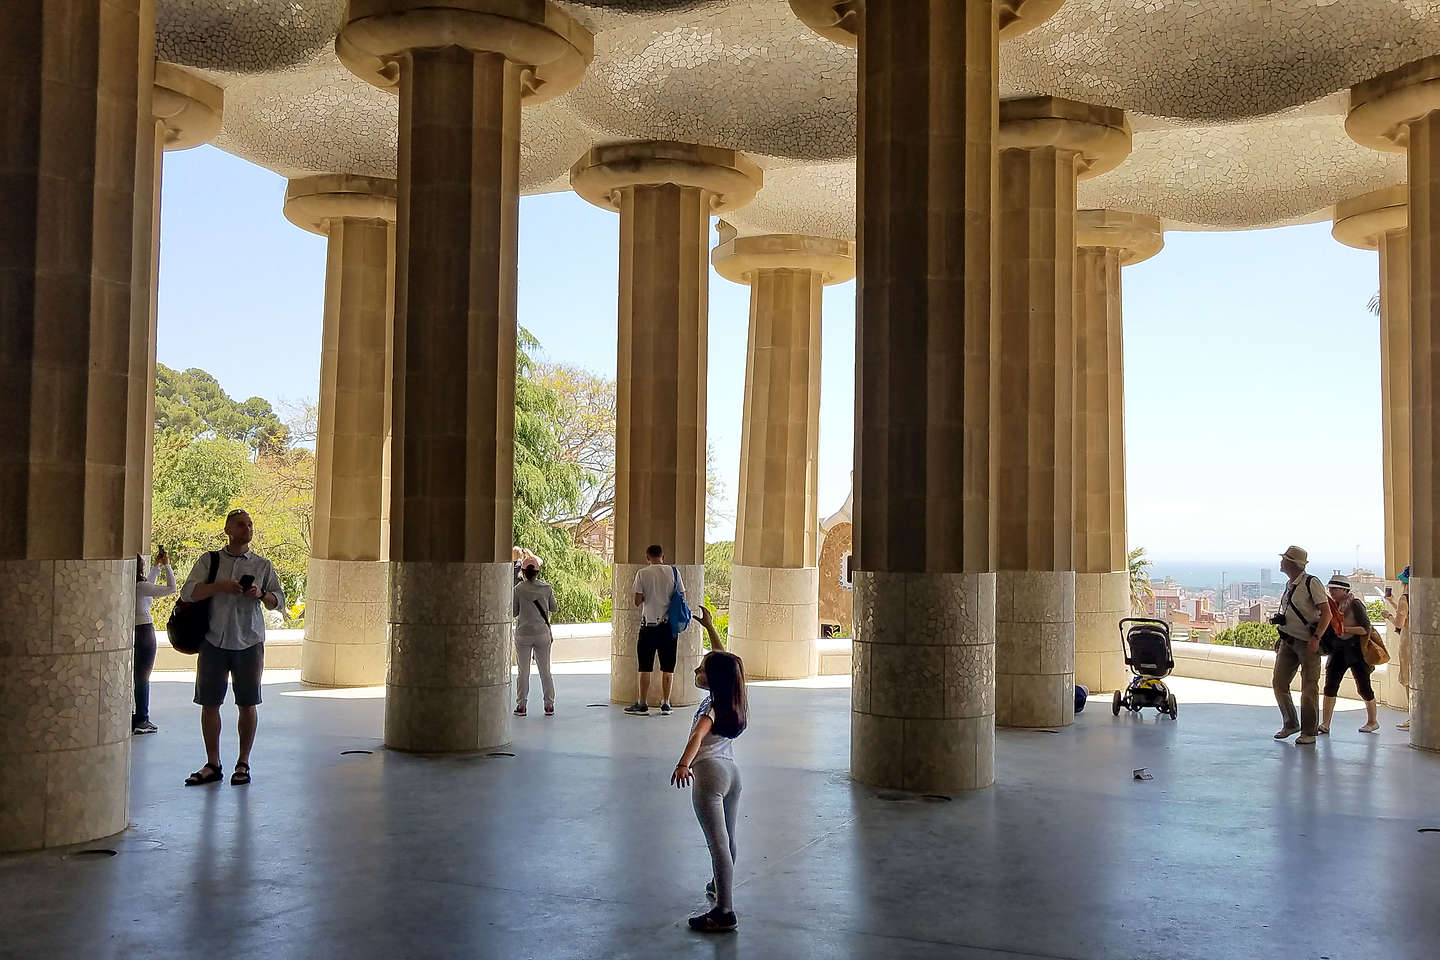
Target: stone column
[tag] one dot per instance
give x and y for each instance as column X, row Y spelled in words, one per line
column 77, row 84
column 665, row 193
column 1400, row 111
column 345, row 605
column 1106, row 241
column 775, row 587
column 1045, row 144
column 462, row 68
column 185, row 112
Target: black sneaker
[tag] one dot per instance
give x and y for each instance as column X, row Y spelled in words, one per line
column 143, row 728
column 710, row 889
column 638, row 709
column 665, row 708
column 716, row 921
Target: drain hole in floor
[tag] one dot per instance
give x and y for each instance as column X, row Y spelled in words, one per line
column 95, row 854
column 500, row 753
column 597, row 704
column 346, row 753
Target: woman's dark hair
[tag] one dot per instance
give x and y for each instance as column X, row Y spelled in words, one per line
column 530, row 572
column 139, row 569
column 725, row 673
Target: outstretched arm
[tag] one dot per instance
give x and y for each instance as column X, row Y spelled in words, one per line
column 708, row 623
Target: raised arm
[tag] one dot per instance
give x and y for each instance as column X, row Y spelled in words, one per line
column 153, row 588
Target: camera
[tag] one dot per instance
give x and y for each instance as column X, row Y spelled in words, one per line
column 1277, row 619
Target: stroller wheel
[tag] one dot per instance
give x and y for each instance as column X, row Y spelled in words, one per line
column 1172, row 706
column 1115, row 705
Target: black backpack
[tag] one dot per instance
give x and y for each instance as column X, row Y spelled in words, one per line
column 190, row 620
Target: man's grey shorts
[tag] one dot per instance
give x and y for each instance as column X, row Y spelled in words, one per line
column 216, row 667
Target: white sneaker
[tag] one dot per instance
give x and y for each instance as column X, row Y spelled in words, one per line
column 1370, row 727
column 1403, row 725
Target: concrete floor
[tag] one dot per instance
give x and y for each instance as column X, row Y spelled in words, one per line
column 576, row 847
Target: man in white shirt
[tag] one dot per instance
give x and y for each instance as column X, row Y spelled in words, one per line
column 655, row 584
column 1303, row 618
column 234, row 647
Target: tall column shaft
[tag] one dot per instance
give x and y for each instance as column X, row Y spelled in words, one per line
column 775, row 586
column 1106, row 241
column 77, row 101
column 1046, row 144
column 1395, row 352
column 345, row 610
column 665, row 193
column 1400, row 111
column 923, row 656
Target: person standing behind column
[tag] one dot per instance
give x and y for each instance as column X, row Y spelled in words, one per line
column 1303, row 617
column 532, row 602
column 1400, row 621
column 234, row 647
column 146, row 592
column 655, row 584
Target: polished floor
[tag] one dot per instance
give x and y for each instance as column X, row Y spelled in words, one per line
column 576, row 847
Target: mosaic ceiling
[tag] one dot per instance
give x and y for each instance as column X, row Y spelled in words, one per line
column 1237, row 105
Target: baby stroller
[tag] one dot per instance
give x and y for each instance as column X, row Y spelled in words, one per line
column 1148, row 655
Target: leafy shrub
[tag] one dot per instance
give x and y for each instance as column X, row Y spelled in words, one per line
column 1256, row 636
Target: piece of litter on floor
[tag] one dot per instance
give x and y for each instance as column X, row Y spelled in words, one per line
column 1142, row 773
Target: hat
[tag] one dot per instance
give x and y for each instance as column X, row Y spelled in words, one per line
column 1405, row 574
column 1296, row 555
column 1339, row 581
column 530, row 563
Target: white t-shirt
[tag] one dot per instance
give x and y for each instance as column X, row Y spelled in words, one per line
column 146, row 591
column 713, row 746
column 656, row 583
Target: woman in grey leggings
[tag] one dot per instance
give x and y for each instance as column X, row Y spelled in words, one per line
column 709, row 763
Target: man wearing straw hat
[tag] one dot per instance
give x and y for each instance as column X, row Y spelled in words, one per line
column 1303, row 617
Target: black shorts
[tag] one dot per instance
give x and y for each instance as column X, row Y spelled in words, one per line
column 216, row 667
column 654, row 639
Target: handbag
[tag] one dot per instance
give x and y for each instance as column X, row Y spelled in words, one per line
column 679, row 610
column 1373, row 649
column 190, row 620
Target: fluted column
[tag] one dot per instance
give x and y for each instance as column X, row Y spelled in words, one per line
column 1046, row 143
column 665, row 194
column 185, row 112
column 1106, row 241
column 461, row 68
column 1400, row 111
column 77, row 100
column 346, row 597
column 775, row 585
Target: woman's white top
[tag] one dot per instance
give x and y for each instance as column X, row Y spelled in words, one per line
column 713, row 746
column 147, row 590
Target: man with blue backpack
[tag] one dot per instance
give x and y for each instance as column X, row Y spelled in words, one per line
column 664, row 615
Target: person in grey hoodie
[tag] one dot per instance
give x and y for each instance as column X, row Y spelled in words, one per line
column 532, row 602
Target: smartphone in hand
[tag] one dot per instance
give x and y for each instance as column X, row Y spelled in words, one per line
column 247, row 581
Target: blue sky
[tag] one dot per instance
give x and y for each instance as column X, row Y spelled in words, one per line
column 1252, row 376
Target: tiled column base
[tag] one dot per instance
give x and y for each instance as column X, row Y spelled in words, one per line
column 66, row 656
column 1424, row 635
column 1102, row 600
column 922, row 699
column 1034, row 648
column 346, row 621
column 625, row 634
column 448, row 688
column 775, row 620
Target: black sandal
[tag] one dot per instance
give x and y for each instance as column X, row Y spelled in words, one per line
column 240, row 777
column 210, row 773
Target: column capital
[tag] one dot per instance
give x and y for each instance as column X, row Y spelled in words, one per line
column 837, row 20
column 189, row 108
column 731, row 178
column 1019, row 17
column 1137, row 236
column 312, row 202
column 738, row 259
column 1363, row 221
column 1100, row 136
column 1381, row 109
column 552, row 49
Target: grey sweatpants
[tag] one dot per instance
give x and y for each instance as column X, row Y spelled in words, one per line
column 716, row 796
column 540, row 648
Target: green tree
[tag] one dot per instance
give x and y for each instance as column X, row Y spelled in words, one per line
column 719, row 561
column 1141, row 592
column 1256, row 636
column 547, row 486
column 192, row 404
column 1375, row 610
